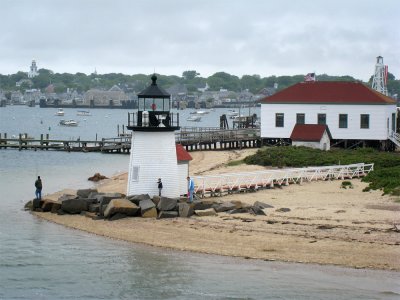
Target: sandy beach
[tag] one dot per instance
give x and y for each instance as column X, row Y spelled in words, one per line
column 325, row 224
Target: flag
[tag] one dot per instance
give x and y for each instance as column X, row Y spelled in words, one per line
column 309, row 77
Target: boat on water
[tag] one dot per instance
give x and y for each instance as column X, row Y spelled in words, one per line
column 199, row 112
column 233, row 114
column 83, row 113
column 60, row 112
column 194, row 118
column 70, row 123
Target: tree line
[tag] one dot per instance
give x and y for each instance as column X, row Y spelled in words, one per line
column 190, row 78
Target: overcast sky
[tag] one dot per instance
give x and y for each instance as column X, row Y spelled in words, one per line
column 265, row 37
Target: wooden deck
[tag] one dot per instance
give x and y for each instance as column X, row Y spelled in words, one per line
column 192, row 138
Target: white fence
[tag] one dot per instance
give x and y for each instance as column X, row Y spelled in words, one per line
column 236, row 182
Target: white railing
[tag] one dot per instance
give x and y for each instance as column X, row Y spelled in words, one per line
column 395, row 138
column 236, row 182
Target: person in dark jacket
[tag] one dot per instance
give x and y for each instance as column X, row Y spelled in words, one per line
column 160, row 186
column 39, row 186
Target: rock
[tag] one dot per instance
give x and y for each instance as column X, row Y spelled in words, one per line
column 283, row 209
column 257, row 210
column 122, row 206
column 105, row 199
column 97, row 177
column 238, row 211
column 167, row 204
column 47, row 205
column 225, row 206
column 56, row 207
column 29, row 205
column 146, row 205
column 90, row 215
column 150, row 213
column 74, row 206
column 60, row 212
column 36, row 203
column 167, row 214
column 94, row 195
column 262, row 205
column 84, row 193
column 156, row 200
column 118, row 216
column 94, row 208
column 66, row 197
column 137, row 198
column 202, row 204
column 238, row 204
column 205, row 212
column 185, row 210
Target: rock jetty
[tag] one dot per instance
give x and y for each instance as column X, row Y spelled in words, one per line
column 114, row 206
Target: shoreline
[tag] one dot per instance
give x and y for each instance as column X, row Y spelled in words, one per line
column 326, row 225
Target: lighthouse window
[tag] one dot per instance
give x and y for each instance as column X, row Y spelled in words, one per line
column 135, row 173
column 364, row 121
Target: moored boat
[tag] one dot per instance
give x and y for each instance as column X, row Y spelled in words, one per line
column 60, row 112
column 194, row 118
column 83, row 113
column 70, row 123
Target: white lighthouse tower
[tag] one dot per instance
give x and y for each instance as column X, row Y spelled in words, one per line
column 153, row 150
column 380, row 77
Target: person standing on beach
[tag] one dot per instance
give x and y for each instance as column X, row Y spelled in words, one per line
column 160, row 186
column 190, row 189
column 39, row 186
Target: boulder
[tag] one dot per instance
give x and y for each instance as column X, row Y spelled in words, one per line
column 146, row 205
column 257, row 210
column 202, row 204
column 66, row 197
column 56, row 207
column 29, row 205
column 225, row 206
column 105, row 199
column 94, row 195
column 137, row 198
column 262, row 205
column 117, row 216
column 283, row 209
column 84, row 193
column 185, row 210
column 156, row 199
column 94, row 208
column 167, row 204
column 122, row 206
column 36, row 204
column 97, row 177
column 238, row 204
column 74, row 206
column 239, row 211
column 47, row 205
column 150, row 213
column 205, row 212
column 90, row 215
column 167, row 214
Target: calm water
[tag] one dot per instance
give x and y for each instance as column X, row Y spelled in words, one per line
column 41, row 260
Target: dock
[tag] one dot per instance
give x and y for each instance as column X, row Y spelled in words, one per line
column 192, row 138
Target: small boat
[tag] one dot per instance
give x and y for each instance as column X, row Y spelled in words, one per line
column 70, row 123
column 83, row 113
column 194, row 118
column 60, row 112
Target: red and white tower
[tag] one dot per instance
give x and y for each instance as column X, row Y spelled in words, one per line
column 379, row 81
column 153, row 150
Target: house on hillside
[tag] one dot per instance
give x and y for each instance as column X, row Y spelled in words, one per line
column 311, row 135
column 353, row 113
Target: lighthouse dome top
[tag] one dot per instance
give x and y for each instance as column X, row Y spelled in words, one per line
column 153, row 90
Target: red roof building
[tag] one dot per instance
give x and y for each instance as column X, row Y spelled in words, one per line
column 309, row 132
column 351, row 110
column 329, row 92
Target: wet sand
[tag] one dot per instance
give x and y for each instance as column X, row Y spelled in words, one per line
column 325, row 224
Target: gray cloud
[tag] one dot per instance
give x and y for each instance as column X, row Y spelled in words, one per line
column 240, row 37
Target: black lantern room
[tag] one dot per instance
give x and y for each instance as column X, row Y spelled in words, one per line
column 154, row 105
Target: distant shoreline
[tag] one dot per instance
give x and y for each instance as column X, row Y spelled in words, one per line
column 325, row 225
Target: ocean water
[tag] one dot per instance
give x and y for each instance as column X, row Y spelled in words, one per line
column 42, row 260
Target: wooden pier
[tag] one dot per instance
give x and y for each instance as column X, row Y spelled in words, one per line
column 212, row 138
column 192, row 138
column 24, row 142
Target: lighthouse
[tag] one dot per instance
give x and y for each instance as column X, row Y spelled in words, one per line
column 153, row 151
